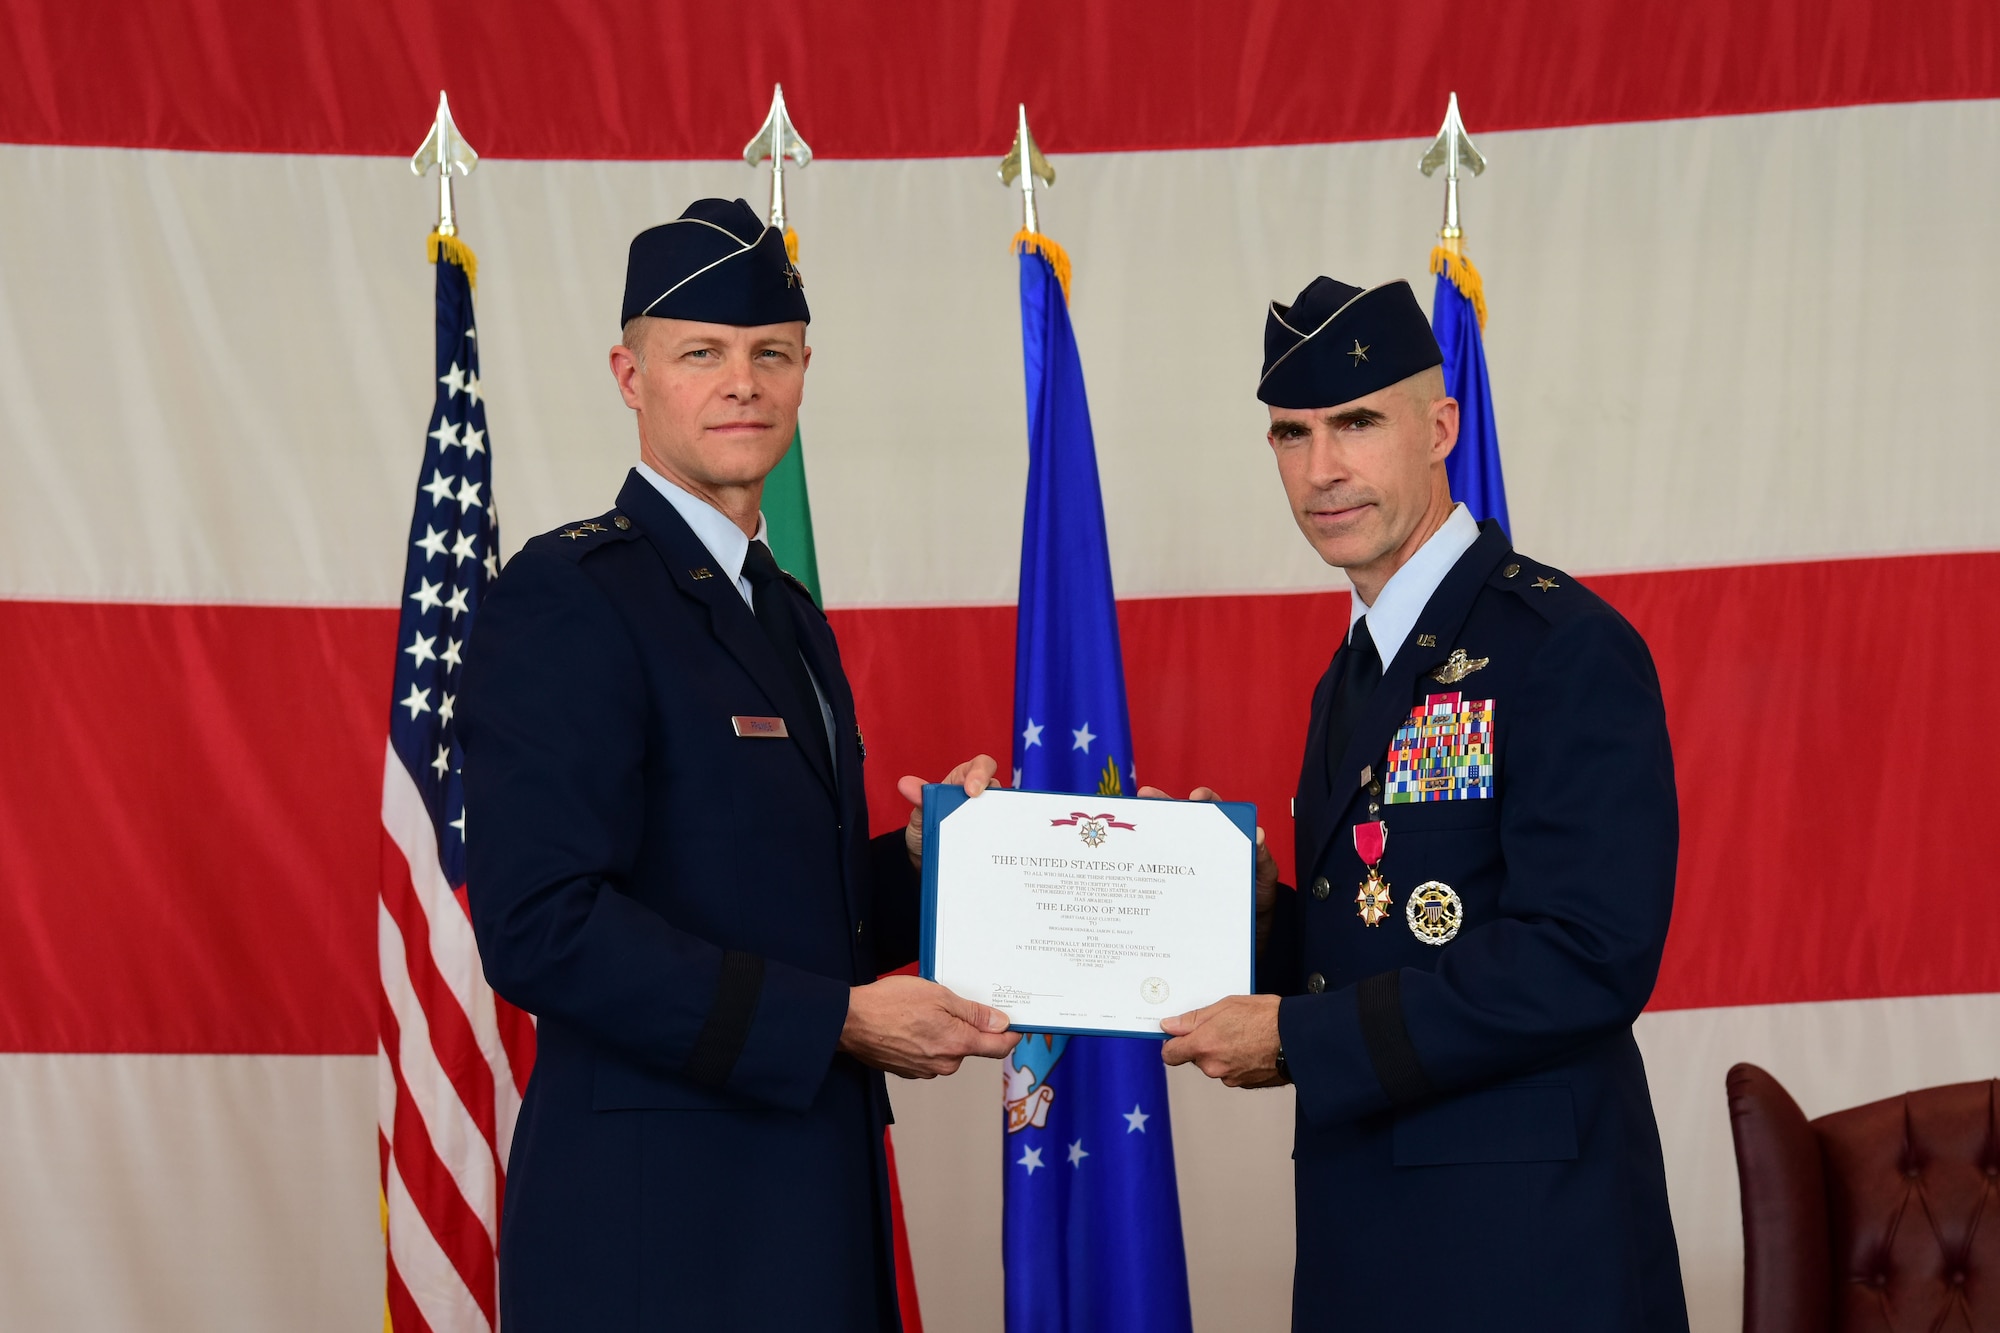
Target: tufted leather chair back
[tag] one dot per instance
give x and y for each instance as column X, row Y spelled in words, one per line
column 1881, row 1219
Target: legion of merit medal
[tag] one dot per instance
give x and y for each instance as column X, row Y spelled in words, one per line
column 1373, row 902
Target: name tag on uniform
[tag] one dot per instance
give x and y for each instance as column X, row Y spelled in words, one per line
column 1442, row 752
column 759, row 726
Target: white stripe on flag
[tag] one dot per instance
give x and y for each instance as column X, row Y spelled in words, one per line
column 454, row 1135
column 454, row 951
column 434, row 1285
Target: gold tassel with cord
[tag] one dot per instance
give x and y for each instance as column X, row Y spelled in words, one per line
column 1025, row 240
column 457, row 251
column 791, row 245
column 1448, row 258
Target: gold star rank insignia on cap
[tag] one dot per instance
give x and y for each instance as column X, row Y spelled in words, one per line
column 1547, row 584
column 1359, row 352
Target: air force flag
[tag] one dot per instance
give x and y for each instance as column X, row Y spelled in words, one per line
column 1093, row 1226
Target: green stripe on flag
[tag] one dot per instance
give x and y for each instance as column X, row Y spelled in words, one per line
column 788, row 511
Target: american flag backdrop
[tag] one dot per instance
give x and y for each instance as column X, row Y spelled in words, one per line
column 454, row 1057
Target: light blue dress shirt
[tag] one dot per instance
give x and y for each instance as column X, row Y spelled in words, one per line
column 730, row 548
column 1409, row 589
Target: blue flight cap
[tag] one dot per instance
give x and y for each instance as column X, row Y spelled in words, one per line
column 1336, row 343
column 716, row 263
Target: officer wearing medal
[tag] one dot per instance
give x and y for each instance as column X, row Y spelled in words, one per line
column 1486, row 830
column 669, row 861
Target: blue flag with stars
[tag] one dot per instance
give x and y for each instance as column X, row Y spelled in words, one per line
column 454, row 554
column 1093, row 1221
column 1474, row 465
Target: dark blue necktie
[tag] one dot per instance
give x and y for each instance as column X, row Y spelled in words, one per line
column 1360, row 673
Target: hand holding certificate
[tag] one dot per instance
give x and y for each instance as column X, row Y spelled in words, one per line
column 1088, row 914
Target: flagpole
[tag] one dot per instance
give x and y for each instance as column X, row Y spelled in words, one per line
column 1024, row 162
column 446, row 149
column 776, row 141
column 1451, row 150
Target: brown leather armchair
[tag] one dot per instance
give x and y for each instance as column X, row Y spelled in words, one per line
column 1884, row 1218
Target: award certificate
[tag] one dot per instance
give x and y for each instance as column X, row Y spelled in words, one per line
column 1088, row 914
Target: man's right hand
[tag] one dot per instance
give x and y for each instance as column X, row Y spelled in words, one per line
column 918, row 1029
column 1267, row 865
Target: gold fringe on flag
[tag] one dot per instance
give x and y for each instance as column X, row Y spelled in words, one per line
column 791, row 245
column 457, row 251
column 1448, row 258
column 1025, row 240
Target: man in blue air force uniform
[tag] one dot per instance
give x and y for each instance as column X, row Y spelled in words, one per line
column 670, row 862
column 1486, row 832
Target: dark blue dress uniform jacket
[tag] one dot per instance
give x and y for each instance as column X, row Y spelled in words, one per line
column 1475, row 1147
column 684, row 910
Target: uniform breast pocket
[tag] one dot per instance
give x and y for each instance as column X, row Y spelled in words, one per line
column 1533, row 1122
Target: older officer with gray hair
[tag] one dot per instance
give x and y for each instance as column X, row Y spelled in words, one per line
column 669, row 861
column 1486, row 830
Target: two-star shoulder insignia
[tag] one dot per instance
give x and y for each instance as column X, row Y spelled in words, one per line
column 575, row 540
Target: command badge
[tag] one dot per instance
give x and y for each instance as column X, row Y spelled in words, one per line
column 1434, row 912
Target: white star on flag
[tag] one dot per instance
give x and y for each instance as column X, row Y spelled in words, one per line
column 459, row 824
column 446, row 435
column 1032, row 736
column 1017, row 777
column 431, row 543
column 440, row 486
column 1136, row 1120
column 492, row 563
column 454, row 380
column 418, row 702
column 450, row 654
column 1076, row 1153
column 443, row 762
column 444, row 708
column 472, row 386
column 426, row 595
column 474, row 441
column 465, row 547
column 456, row 603
column 421, row 648
column 1083, row 738
column 468, row 492
column 1030, row 1158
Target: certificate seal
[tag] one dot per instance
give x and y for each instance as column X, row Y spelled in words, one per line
column 1153, row 990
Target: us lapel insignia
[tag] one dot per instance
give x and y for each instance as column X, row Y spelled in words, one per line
column 701, row 573
column 1457, row 667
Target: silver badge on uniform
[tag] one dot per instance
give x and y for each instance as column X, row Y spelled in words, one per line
column 1434, row 912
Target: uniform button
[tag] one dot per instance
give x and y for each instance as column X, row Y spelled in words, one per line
column 1315, row 983
column 621, row 522
column 1375, row 787
column 1373, row 809
column 1321, row 888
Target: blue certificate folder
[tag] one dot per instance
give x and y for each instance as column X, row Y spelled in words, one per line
column 940, row 799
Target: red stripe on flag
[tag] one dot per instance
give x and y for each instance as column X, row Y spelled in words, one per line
column 571, row 79
column 452, row 1042
column 190, row 807
column 457, row 1229
column 191, row 858
column 404, row 1317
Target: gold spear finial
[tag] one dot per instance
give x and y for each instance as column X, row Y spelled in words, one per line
column 1452, row 150
column 775, row 141
column 446, row 149
column 1025, row 160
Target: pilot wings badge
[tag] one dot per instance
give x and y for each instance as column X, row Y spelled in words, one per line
column 1457, row 667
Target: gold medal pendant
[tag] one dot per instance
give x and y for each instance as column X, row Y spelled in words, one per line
column 1373, row 900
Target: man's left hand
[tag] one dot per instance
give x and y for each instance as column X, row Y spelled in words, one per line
column 1235, row 1040
column 975, row 775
